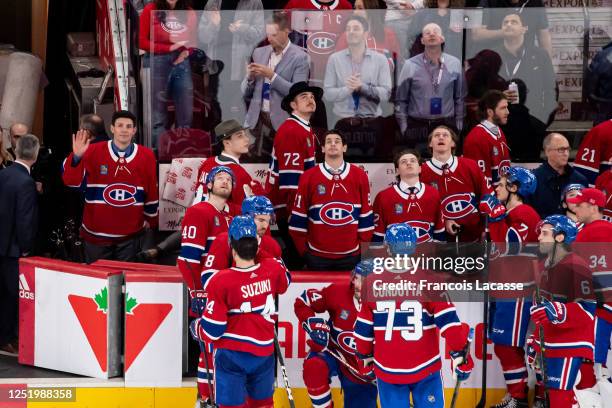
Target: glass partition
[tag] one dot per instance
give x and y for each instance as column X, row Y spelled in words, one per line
column 387, row 79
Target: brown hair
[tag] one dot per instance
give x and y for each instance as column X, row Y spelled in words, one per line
column 281, row 19
column 397, row 156
column 489, row 100
column 452, row 133
column 5, row 156
column 335, row 132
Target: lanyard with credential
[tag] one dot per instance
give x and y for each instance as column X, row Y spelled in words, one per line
column 435, row 83
column 516, row 67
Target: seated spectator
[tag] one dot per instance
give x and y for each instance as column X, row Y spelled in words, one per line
column 524, row 132
column 94, row 125
column 357, row 81
column 431, row 90
column 532, row 12
column 438, row 12
column 553, row 175
column 380, row 38
column 275, row 68
column 532, row 65
column 598, row 81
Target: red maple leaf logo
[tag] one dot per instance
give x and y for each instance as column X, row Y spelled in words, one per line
column 91, row 314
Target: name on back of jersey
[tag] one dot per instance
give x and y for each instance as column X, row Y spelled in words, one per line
column 256, row 288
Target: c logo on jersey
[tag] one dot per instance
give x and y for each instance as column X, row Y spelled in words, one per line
column 422, row 230
column 457, row 206
column 322, row 43
column 504, row 165
column 119, row 195
column 346, row 341
column 336, row 214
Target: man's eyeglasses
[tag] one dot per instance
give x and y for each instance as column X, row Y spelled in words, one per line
column 560, row 150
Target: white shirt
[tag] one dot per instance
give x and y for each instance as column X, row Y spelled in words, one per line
column 274, row 61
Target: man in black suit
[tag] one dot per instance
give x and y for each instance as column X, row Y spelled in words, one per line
column 18, row 225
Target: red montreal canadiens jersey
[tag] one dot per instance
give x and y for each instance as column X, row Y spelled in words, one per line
column 594, row 155
column 567, row 281
column 403, row 337
column 201, row 224
column 489, row 151
column 121, row 192
column 293, row 153
column 243, row 178
column 332, row 214
column 604, row 183
column 421, row 210
column 460, row 187
column 592, row 243
column 519, row 226
column 336, row 299
column 321, row 31
column 240, row 306
column 220, row 254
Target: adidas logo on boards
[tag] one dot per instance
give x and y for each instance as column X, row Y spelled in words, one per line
column 24, row 288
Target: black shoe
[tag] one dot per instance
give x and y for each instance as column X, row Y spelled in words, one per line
column 511, row 402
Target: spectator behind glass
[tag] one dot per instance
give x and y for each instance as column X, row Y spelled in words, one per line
column 532, row 12
column 481, row 76
column 357, row 81
column 553, row 175
column 398, row 18
column 438, row 11
column 228, row 32
column 598, row 81
column 523, row 131
column 532, row 65
column 94, row 125
column 380, row 38
column 275, row 68
column 167, row 35
column 431, row 91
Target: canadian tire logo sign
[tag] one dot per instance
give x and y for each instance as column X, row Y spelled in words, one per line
column 92, row 316
column 24, row 288
column 142, row 320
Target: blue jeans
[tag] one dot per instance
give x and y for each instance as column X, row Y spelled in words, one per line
column 169, row 82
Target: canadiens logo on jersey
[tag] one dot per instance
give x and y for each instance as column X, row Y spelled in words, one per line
column 322, row 43
column 120, row 195
column 346, row 341
column 337, row 214
column 422, row 230
column 504, row 165
column 457, row 206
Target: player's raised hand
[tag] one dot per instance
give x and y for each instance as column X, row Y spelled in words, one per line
column 80, row 142
column 547, row 311
column 318, row 331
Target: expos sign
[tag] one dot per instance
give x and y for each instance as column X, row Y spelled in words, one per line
column 120, row 195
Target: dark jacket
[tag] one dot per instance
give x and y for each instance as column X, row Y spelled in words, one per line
column 18, row 211
column 547, row 198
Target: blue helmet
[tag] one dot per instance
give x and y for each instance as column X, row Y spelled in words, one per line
column 400, row 239
column 364, row 267
column 523, row 178
column 571, row 187
column 562, row 225
column 242, row 226
column 257, row 205
column 210, row 177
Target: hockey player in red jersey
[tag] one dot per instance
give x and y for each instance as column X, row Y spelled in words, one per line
column 594, row 154
column 486, row 143
column 593, row 244
column 409, row 200
column 460, row 184
column 293, row 153
column 121, row 194
column 234, row 141
column 399, row 340
column 220, row 254
column 332, row 340
column 512, row 225
column 563, row 315
column 238, row 318
column 571, row 191
column 331, row 215
column 604, row 183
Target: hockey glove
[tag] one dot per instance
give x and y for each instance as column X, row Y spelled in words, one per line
column 318, row 331
column 547, row 311
column 198, row 301
column 365, row 365
column 462, row 364
column 194, row 329
column 533, row 349
column 492, row 208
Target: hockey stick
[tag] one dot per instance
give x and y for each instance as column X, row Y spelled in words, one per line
column 485, row 323
column 466, row 350
column 281, row 362
column 352, row 369
column 213, row 400
column 541, row 337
